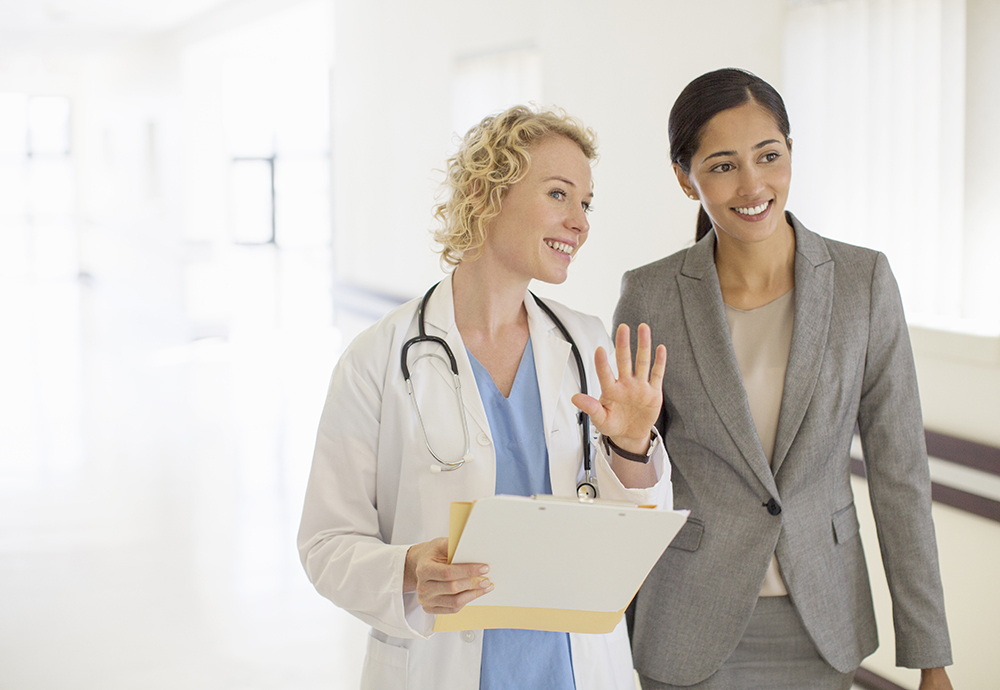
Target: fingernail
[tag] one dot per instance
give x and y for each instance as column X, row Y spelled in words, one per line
column 490, row 588
column 486, row 584
column 485, row 569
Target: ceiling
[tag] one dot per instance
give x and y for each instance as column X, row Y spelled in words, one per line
column 68, row 23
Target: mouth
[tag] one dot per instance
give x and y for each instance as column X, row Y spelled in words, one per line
column 560, row 247
column 755, row 212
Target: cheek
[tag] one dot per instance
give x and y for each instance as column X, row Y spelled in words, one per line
column 782, row 178
column 712, row 192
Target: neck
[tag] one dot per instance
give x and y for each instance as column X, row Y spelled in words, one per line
column 762, row 268
column 486, row 302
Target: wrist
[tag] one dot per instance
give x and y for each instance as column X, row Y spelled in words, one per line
column 410, row 570
column 631, row 445
column 636, row 450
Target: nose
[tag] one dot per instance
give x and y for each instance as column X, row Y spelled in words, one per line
column 578, row 220
column 751, row 181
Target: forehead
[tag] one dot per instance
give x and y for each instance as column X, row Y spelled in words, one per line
column 738, row 128
column 558, row 155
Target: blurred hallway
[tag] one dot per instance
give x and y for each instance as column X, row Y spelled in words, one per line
column 157, row 428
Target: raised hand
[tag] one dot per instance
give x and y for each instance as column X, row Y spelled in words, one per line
column 440, row 587
column 630, row 404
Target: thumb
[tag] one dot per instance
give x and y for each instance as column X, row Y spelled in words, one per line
column 590, row 406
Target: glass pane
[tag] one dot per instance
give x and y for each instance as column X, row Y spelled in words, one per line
column 303, row 109
column 250, row 219
column 48, row 125
column 13, row 125
column 302, row 190
column 51, row 187
column 248, row 106
column 13, row 189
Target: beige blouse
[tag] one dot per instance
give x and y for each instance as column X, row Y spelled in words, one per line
column 762, row 339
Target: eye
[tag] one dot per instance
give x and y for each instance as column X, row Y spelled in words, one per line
column 558, row 194
column 587, row 208
column 722, row 167
column 771, row 156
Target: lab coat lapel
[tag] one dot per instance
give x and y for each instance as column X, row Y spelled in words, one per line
column 439, row 320
column 813, row 307
column 551, row 352
column 705, row 317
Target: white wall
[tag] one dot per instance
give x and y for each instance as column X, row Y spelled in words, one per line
column 617, row 66
column 619, row 69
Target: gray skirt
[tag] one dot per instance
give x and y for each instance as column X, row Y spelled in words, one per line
column 775, row 653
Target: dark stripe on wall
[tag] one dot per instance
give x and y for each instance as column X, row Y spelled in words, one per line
column 963, row 500
column 949, row 496
column 978, row 456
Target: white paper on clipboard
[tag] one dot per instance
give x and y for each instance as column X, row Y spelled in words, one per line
column 550, row 554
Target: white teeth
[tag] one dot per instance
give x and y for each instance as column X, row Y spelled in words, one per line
column 753, row 210
column 560, row 246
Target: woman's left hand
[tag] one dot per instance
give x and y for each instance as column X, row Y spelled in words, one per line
column 630, row 404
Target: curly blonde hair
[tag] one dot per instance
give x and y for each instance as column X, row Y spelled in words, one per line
column 494, row 156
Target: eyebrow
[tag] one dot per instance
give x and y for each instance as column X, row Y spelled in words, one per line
column 733, row 153
column 571, row 183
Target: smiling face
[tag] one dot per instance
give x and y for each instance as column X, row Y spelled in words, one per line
column 543, row 217
column 741, row 173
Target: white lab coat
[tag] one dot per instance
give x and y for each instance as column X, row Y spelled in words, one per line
column 372, row 494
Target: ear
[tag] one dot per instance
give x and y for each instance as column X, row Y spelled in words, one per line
column 685, row 182
column 788, row 140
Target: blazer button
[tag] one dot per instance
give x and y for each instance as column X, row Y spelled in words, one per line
column 772, row 507
column 468, row 636
column 483, row 439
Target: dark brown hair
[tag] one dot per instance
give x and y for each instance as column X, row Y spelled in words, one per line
column 706, row 97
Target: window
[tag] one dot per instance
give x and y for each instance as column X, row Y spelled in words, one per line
column 876, row 95
column 491, row 82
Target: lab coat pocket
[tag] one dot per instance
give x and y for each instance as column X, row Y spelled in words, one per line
column 385, row 664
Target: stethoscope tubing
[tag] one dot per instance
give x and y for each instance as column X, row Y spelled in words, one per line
column 586, row 488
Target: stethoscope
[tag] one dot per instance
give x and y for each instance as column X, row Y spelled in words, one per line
column 586, row 489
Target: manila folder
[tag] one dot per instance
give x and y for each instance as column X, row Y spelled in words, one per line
column 556, row 564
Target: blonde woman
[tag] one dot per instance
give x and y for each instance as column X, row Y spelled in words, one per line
column 386, row 467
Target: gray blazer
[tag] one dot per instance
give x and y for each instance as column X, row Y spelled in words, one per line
column 850, row 364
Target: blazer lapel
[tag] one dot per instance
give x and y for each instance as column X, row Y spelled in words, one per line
column 813, row 307
column 705, row 317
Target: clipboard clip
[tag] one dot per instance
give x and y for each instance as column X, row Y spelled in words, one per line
column 584, row 499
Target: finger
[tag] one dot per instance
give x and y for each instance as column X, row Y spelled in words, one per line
column 433, row 594
column 604, row 373
column 659, row 367
column 443, row 572
column 454, row 604
column 591, row 407
column 623, row 352
column 644, row 345
column 432, row 591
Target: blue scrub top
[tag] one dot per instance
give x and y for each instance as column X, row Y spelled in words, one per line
column 521, row 659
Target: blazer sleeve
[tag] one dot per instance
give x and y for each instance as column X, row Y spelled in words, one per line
column 892, row 437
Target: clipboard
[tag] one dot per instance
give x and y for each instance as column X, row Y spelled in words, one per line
column 556, row 564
